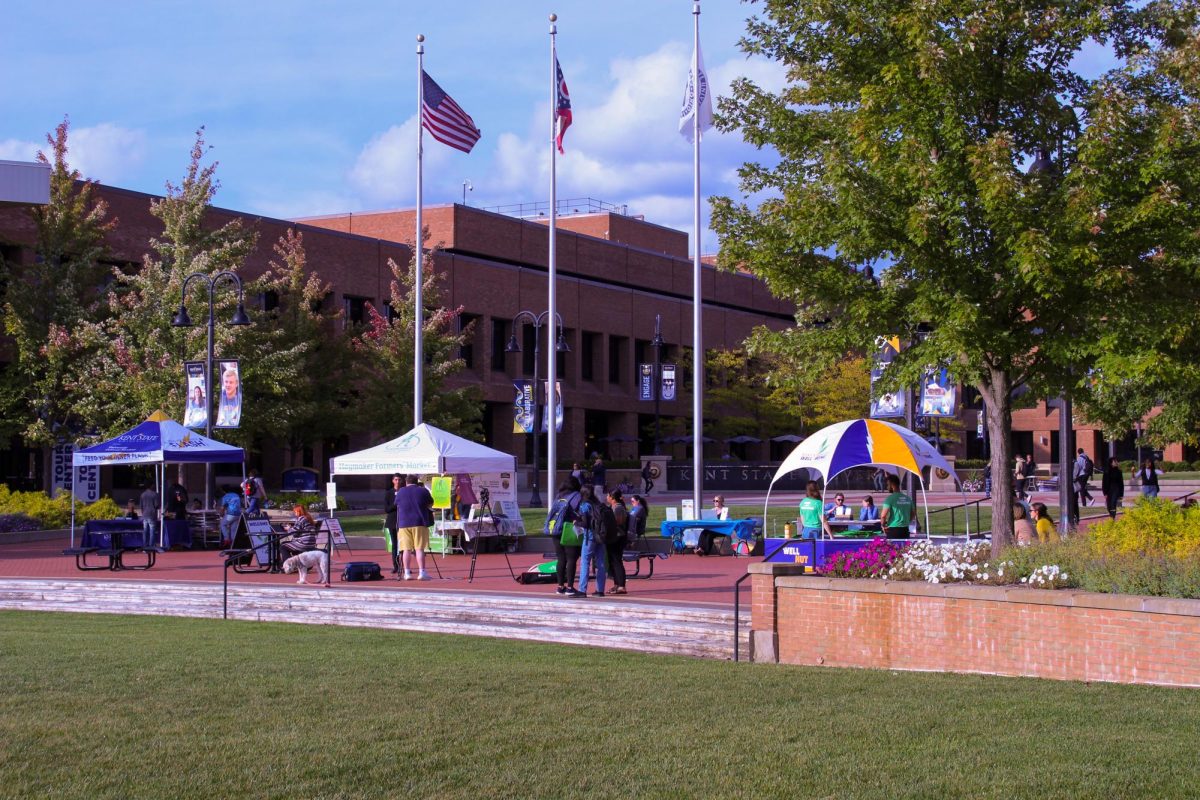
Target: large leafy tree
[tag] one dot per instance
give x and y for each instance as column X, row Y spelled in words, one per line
column 902, row 194
column 58, row 291
column 384, row 367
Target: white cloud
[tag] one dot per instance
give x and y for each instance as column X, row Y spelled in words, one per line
column 17, row 150
column 106, row 152
column 385, row 172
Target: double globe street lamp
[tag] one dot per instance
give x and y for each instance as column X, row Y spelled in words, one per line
column 537, row 321
column 182, row 320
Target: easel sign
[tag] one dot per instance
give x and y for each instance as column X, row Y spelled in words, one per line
column 259, row 531
column 511, row 509
column 334, row 526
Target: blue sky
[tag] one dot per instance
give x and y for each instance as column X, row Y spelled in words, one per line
column 310, row 106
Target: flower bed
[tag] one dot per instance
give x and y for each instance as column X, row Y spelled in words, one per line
column 1152, row 550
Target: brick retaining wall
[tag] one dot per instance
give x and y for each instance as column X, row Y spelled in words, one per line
column 1064, row 634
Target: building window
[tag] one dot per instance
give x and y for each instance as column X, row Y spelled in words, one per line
column 616, row 349
column 588, row 342
column 499, row 341
column 467, row 329
column 268, row 300
column 354, row 310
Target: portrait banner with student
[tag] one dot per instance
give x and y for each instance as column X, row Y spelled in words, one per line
column 195, row 414
column 229, row 384
column 938, row 394
column 885, row 404
column 558, row 407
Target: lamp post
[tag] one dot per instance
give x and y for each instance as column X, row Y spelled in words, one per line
column 658, row 346
column 1043, row 168
column 536, row 320
column 182, row 320
column 467, row 187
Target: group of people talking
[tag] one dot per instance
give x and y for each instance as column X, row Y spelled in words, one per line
column 894, row 514
column 591, row 532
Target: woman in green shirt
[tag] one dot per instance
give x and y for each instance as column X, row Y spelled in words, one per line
column 812, row 514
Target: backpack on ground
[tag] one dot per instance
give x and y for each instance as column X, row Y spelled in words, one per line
column 603, row 524
column 560, row 514
column 362, row 571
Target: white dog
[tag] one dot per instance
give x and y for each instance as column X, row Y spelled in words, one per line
column 302, row 563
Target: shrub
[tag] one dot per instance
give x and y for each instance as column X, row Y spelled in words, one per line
column 11, row 523
column 104, row 508
column 872, row 561
column 1151, row 527
column 54, row 512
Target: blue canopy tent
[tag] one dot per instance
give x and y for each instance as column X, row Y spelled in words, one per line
column 159, row 440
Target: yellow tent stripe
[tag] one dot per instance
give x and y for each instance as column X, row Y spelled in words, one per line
column 887, row 447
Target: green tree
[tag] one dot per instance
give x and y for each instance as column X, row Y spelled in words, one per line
column 384, row 366
column 132, row 360
column 57, row 292
column 904, row 134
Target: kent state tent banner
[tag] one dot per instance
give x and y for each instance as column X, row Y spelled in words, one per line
column 156, row 441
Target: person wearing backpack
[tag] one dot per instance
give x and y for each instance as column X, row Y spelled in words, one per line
column 560, row 526
column 1083, row 472
column 594, row 524
column 615, row 545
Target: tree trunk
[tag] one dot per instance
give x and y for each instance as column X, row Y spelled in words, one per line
column 997, row 393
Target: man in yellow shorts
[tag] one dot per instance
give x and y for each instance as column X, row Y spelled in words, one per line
column 414, row 515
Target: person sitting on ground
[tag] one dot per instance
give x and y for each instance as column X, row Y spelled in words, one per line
column 897, row 510
column 304, row 532
column 708, row 538
column 812, row 514
column 1022, row 528
column 131, row 510
column 1046, row 532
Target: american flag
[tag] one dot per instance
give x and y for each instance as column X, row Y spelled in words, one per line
column 562, row 105
column 444, row 119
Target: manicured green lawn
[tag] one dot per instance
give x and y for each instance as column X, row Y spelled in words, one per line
column 129, row 707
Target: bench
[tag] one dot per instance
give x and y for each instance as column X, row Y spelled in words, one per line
column 151, row 554
column 637, row 557
column 81, row 555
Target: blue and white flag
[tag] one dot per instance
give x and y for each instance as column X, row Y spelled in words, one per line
column 696, row 96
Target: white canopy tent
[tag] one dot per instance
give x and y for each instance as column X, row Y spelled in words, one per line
column 864, row 443
column 425, row 450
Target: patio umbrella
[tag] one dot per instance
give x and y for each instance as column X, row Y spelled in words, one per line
column 743, row 439
column 864, row 443
column 788, row 437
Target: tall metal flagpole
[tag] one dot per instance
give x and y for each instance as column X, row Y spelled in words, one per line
column 697, row 297
column 419, row 278
column 550, row 409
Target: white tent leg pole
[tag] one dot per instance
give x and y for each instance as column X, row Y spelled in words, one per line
column 966, row 513
column 766, row 503
column 162, row 500
column 71, row 497
column 925, row 500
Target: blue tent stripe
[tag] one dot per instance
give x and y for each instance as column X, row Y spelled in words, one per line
column 852, row 450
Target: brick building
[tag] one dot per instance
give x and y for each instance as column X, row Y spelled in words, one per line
column 615, row 273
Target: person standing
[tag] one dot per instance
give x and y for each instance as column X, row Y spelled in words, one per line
column 149, row 501
column 592, row 543
column 615, row 547
column 897, row 510
column 1148, row 477
column 599, row 472
column 177, row 500
column 389, row 519
column 877, row 476
column 414, row 509
column 566, row 538
column 1112, row 484
column 1082, row 473
column 231, row 505
column 812, row 514
column 1030, row 474
column 647, row 477
column 1019, row 477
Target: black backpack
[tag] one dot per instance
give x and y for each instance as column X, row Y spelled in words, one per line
column 1089, row 469
column 603, row 524
column 562, row 512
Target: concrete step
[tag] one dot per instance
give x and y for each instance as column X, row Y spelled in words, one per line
column 620, row 624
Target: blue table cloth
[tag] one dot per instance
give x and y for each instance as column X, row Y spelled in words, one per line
column 737, row 528
column 98, row 533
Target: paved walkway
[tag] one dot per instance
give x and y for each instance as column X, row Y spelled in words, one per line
column 679, row 579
